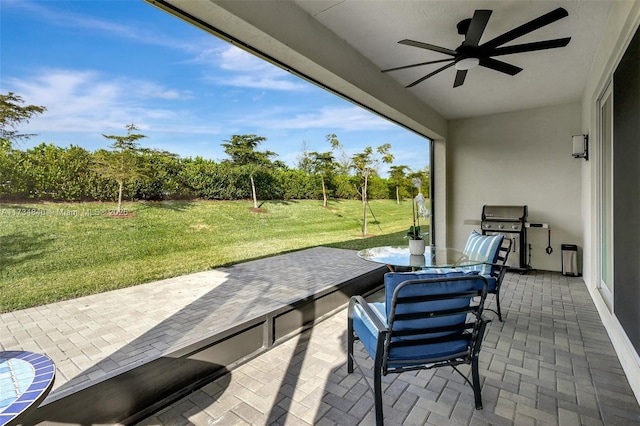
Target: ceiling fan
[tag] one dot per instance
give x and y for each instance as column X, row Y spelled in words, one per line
column 471, row 54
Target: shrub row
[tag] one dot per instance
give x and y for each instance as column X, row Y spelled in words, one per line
column 52, row 173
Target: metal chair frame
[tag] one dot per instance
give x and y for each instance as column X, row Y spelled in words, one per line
column 498, row 271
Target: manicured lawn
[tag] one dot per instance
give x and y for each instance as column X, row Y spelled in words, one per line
column 55, row 251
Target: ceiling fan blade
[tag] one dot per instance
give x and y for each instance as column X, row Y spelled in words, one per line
column 530, row 26
column 476, row 27
column 460, row 76
column 427, row 46
column 496, row 65
column 430, row 75
column 530, row 47
column 417, row 65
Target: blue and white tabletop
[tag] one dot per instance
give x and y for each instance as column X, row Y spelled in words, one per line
column 25, row 380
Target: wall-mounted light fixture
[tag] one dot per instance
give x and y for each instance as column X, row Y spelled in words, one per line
column 581, row 146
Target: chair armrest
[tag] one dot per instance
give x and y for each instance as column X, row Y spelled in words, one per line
column 368, row 311
column 479, row 337
column 500, row 268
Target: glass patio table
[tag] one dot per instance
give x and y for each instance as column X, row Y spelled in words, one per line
column 25, row 380
column 433, row 257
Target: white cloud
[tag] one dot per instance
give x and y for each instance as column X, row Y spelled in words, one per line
column 339, row 118
column 247, row 70
column 235, row 59
column 258, row 81
column 85, row 101
column 147, row 89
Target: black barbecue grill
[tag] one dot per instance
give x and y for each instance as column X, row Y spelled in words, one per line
column 511, row 222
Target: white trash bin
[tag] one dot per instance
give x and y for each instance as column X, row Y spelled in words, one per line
column 570, row 260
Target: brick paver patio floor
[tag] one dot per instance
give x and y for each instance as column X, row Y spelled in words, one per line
column 550, row 363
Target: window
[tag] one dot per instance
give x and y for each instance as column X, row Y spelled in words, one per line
column 605, row 195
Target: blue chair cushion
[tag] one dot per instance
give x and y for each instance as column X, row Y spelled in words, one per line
column 491, row 283
column 368, row 335
column 484, row 245
column 393, row 279
column 365, row 329
column 432, row 351
column 467, row 270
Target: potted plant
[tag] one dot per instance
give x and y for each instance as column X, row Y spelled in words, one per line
column 418, row 208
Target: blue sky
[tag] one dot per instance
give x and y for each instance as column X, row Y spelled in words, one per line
column 99, row 65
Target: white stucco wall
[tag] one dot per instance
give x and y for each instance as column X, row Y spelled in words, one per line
column 439, row 196
column 518, row 158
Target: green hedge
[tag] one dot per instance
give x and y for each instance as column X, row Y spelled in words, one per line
column 51, row 173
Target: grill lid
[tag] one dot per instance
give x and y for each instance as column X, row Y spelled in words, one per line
column 504, row 213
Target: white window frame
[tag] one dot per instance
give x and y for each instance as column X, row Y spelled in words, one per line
column 605, row 196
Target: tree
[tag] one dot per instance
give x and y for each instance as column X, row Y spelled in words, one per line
column 242, row 150
column 304, row 160
column 342, row 161
column 365, row 163
column 398, row 176
column 122, row 163
column 324, row 164
column 12, row 114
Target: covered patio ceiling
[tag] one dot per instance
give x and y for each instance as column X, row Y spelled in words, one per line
column 344, row 44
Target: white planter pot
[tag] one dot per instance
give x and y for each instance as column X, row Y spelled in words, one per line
column 417, row 260
column 416, row 247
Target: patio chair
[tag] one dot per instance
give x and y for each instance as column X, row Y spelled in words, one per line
column 496, row 248
column 427, row 321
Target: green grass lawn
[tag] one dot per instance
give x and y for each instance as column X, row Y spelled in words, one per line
column 56, row 251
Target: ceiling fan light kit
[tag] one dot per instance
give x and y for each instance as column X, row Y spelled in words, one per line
column 467, row 63
column 471, row 54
